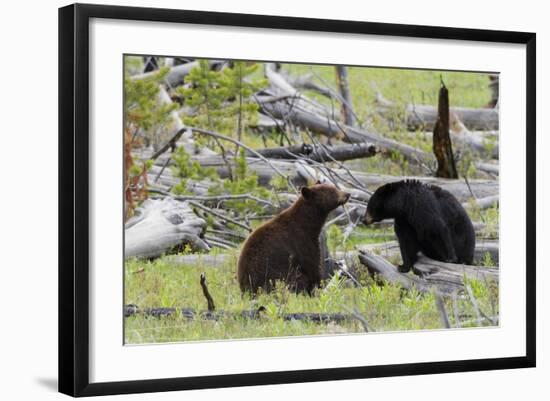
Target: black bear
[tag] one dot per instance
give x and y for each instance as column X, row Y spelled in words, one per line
column 286, row 248
column 427, row 219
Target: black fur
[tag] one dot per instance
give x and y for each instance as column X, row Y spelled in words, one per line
column 427, row 219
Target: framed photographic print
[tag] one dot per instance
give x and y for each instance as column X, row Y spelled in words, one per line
column 250, row 199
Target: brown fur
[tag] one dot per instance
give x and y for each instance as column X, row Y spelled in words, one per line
column 286, row 248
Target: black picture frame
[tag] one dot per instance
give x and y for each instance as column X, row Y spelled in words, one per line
column 74, row 198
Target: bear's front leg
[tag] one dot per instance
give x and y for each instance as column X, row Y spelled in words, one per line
column 408, row 244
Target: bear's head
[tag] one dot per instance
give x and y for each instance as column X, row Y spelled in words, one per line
column 385, row 203
column 325, row 197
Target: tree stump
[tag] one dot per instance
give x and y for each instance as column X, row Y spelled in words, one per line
column 442, row 146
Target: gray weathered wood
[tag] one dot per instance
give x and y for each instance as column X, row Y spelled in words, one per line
column 160, row 226
column 288, row 111
column 370, row 182
column 390, row 249
column 177, row 73
column 490, row 168
column 320, row 153
column 288, row 104
column 443, row 278
column 423, row 117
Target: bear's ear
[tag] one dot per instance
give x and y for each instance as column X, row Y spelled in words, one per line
column 306, row 192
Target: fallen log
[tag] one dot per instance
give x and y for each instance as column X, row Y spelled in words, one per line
column 482, row 144
column 255, row 314
column 443, row 278
column 287, row 104
column 160, row 226
column 370, row 182
column 287, row 111
column 267, row 124
column 489, row 168
column 484, row 203
column 424, row 117
column 320, row 153
column 390, row 250
column 306, row 82
column 177, row 73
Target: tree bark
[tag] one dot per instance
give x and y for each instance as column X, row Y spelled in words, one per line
column 193, row 314
column 390, row 249
column 320, row 153
column 494, row 86
column 423, row 117
column 287, row 111
column 160, row 226
column 343, row 86
column 444, row 278
column 442, row 145
column 286, row 103
column 177, row 73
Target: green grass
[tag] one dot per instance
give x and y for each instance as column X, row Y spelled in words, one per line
column 386, row 307
column 466, row 89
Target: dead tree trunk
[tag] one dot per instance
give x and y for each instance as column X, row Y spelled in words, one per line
column 194, row 314
column 343, row 86
column 442, row 146
column 160, row 226
column 319, row 153
column 444, row 278
column 493, row 85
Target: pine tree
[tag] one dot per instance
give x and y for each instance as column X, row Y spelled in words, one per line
column 144, row 115
column 235, row 86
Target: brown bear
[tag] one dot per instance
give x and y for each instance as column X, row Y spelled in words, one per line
column 286, row 248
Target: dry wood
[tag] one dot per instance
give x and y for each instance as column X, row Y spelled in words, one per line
column 306, row 82
column 160, row 226
column 206, row 293
column 288, row 168
column 348, row 116
column 477, row 142
column 287, row 104
column 442, row 145
column 489, row 168
column 193, row 314
column 483, row 144
column 320, row 153
column 484, row 203
column 443, row 278
column 286, row 110
column 442, row 312
column 177, row 73
column 494, row 86
column 424, row 117
column 220, row 215
column 390, row 250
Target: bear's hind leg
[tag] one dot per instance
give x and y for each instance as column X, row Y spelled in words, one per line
column 408, row 244
column 444, row 246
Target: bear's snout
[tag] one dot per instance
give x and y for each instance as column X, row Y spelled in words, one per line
column 344, row 197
